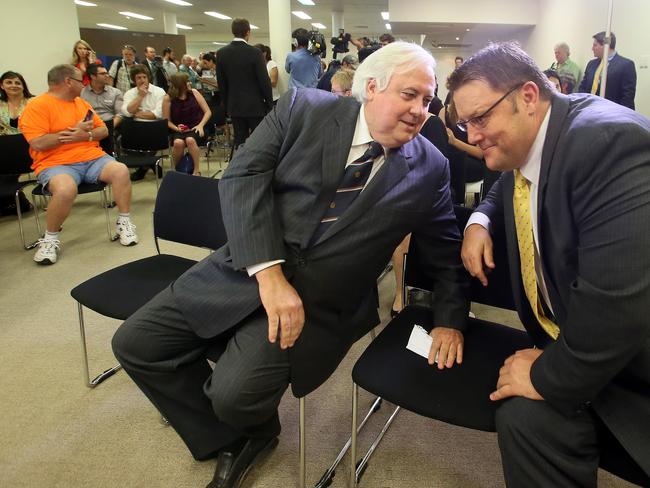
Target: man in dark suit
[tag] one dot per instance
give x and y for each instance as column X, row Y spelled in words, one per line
column 293, row 261
column 574, row 201
column 243, row 81
column 621, row 73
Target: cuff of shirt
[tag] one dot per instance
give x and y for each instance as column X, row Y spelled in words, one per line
column 256, row 268
column 480, row 219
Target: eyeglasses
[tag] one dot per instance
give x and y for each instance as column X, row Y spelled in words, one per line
column 339, row 92
column 480, row 121
column 75, row 79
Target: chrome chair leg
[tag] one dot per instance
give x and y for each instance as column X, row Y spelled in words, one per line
column 353, row 437
column 361, row 467
column 84, row 352
column 302, row 477
column 104, row 200
column 328, row 476
column 26, row 246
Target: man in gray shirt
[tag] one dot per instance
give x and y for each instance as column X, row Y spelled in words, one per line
column 105, row 100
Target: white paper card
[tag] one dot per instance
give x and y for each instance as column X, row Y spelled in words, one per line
column 420, row 342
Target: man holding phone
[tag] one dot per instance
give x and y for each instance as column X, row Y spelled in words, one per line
column 63, row 133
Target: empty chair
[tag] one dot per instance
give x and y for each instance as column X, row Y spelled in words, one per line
column 119, row 292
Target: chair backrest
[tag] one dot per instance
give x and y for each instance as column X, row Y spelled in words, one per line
column 144, row 135
column 188, row 211
column 498, row 293
column 14, row 155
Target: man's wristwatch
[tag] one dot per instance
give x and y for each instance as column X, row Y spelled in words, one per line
column 90, row 136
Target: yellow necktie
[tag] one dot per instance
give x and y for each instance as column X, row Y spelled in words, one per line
column 596, row 82
column 524, row 225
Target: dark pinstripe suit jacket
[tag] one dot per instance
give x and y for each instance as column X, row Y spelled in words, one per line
column 594, row 233
column 273, row 195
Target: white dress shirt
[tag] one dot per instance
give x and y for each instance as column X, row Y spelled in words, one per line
column 360, row 141
column 530, row 170
column 152, row 102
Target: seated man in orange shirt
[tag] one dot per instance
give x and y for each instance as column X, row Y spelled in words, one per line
column 63, row 134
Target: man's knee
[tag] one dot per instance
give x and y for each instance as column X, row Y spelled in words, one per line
column 519, row 416
column 63, row 187
column 115, row 173
column 124, row 345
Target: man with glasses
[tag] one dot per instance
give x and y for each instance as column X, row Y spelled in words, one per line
column 105, row 100
column 63, row 133
column 574, row 203
column 342, row 82
column 119, row 72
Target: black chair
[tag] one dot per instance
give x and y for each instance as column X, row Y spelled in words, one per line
column 15, row 161
column 119, row 292
column 140, row 143
column 460, row 395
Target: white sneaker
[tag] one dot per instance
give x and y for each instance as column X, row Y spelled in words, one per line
column 47, row 251
column 125, row 229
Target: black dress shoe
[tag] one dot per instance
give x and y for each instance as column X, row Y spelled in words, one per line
column 139, row 173
column 233, row 466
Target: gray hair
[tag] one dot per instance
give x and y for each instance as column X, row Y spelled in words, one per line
column 394, row 58
column 186, row 56
column 59, row 73
column 564, row 46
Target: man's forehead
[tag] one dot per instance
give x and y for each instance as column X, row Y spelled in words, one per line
column 472, row 97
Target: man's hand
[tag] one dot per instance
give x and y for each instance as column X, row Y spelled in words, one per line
column 85, row 126
column 144, row 114
column 143, row 90
column 73, row 134
column 282, row 304
column 477, row 252
column 448, row 343
column 514, row 376
column 451, row 137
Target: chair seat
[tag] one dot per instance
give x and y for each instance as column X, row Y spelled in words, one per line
column 81, row 189
column 459, row 395
column 9, row 188
column 139, row 281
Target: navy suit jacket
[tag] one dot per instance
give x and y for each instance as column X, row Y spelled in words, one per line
column 594, row 240
column 273, row 195
column 621, row 80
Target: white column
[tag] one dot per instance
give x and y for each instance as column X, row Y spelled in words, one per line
column 169, row 23
column 25, row 50
column 338, row 22
column 280, row 37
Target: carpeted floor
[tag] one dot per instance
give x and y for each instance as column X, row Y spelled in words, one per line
column 55, row 432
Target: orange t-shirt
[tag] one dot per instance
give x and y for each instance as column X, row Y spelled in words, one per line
column 47, row 114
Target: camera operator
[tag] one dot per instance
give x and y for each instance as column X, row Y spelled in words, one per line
column 340, row 43
column 303, row 67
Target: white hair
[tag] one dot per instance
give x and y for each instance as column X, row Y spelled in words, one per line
column 186, row 56
column 564, row 46
column 394, row 58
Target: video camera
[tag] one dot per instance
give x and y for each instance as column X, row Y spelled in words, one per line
column 340, row 43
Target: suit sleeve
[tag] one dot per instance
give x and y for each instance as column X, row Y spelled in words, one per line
column 222, row 81
column 437, row 244
column 587, row 80
column 254, row 229
column 606, row 322
column 628, row 85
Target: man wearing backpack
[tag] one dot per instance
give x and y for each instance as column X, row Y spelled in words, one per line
column 119, row 70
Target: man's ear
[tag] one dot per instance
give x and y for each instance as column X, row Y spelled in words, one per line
column 371, row 89
column 530, row 94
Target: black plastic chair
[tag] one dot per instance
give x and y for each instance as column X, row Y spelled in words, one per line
column 119, row 292
column 140, row 143
column 460, row 395
column 15, row 161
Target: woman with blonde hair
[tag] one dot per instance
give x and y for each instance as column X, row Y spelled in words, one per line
column 187, row 113
column 82, row 57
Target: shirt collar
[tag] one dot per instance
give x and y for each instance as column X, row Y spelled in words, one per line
column 533, row 165
column 361, row 132
column 240, row 39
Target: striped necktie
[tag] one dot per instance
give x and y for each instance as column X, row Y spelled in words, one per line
column 354, row 179
column 596, row 82
column 524, row 225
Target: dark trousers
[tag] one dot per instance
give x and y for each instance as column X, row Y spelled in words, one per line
column 243, row 127
column 542, row 447
column 107, row 143
column 208, row 408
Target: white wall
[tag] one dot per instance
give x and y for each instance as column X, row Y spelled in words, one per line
column 576, row 21
column 523, row 12
column 36, row 35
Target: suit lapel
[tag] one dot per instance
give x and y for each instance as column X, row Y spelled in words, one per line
column 392, row 171
column 559, row 111
column 334, row 157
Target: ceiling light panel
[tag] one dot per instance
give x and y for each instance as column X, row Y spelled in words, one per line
column 182, row 3
column 385, row 15
column 307, row 2
column 217, row 15
column 111, row 26
column 318, row 25
column 253, row 26
column 136, row 16
column 182, row 26
column 387, row 26
column 85, row 4
column 301, row 15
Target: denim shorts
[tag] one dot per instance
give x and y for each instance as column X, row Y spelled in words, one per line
column 85, row 172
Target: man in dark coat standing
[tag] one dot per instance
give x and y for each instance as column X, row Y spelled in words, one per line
column 244, row 83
